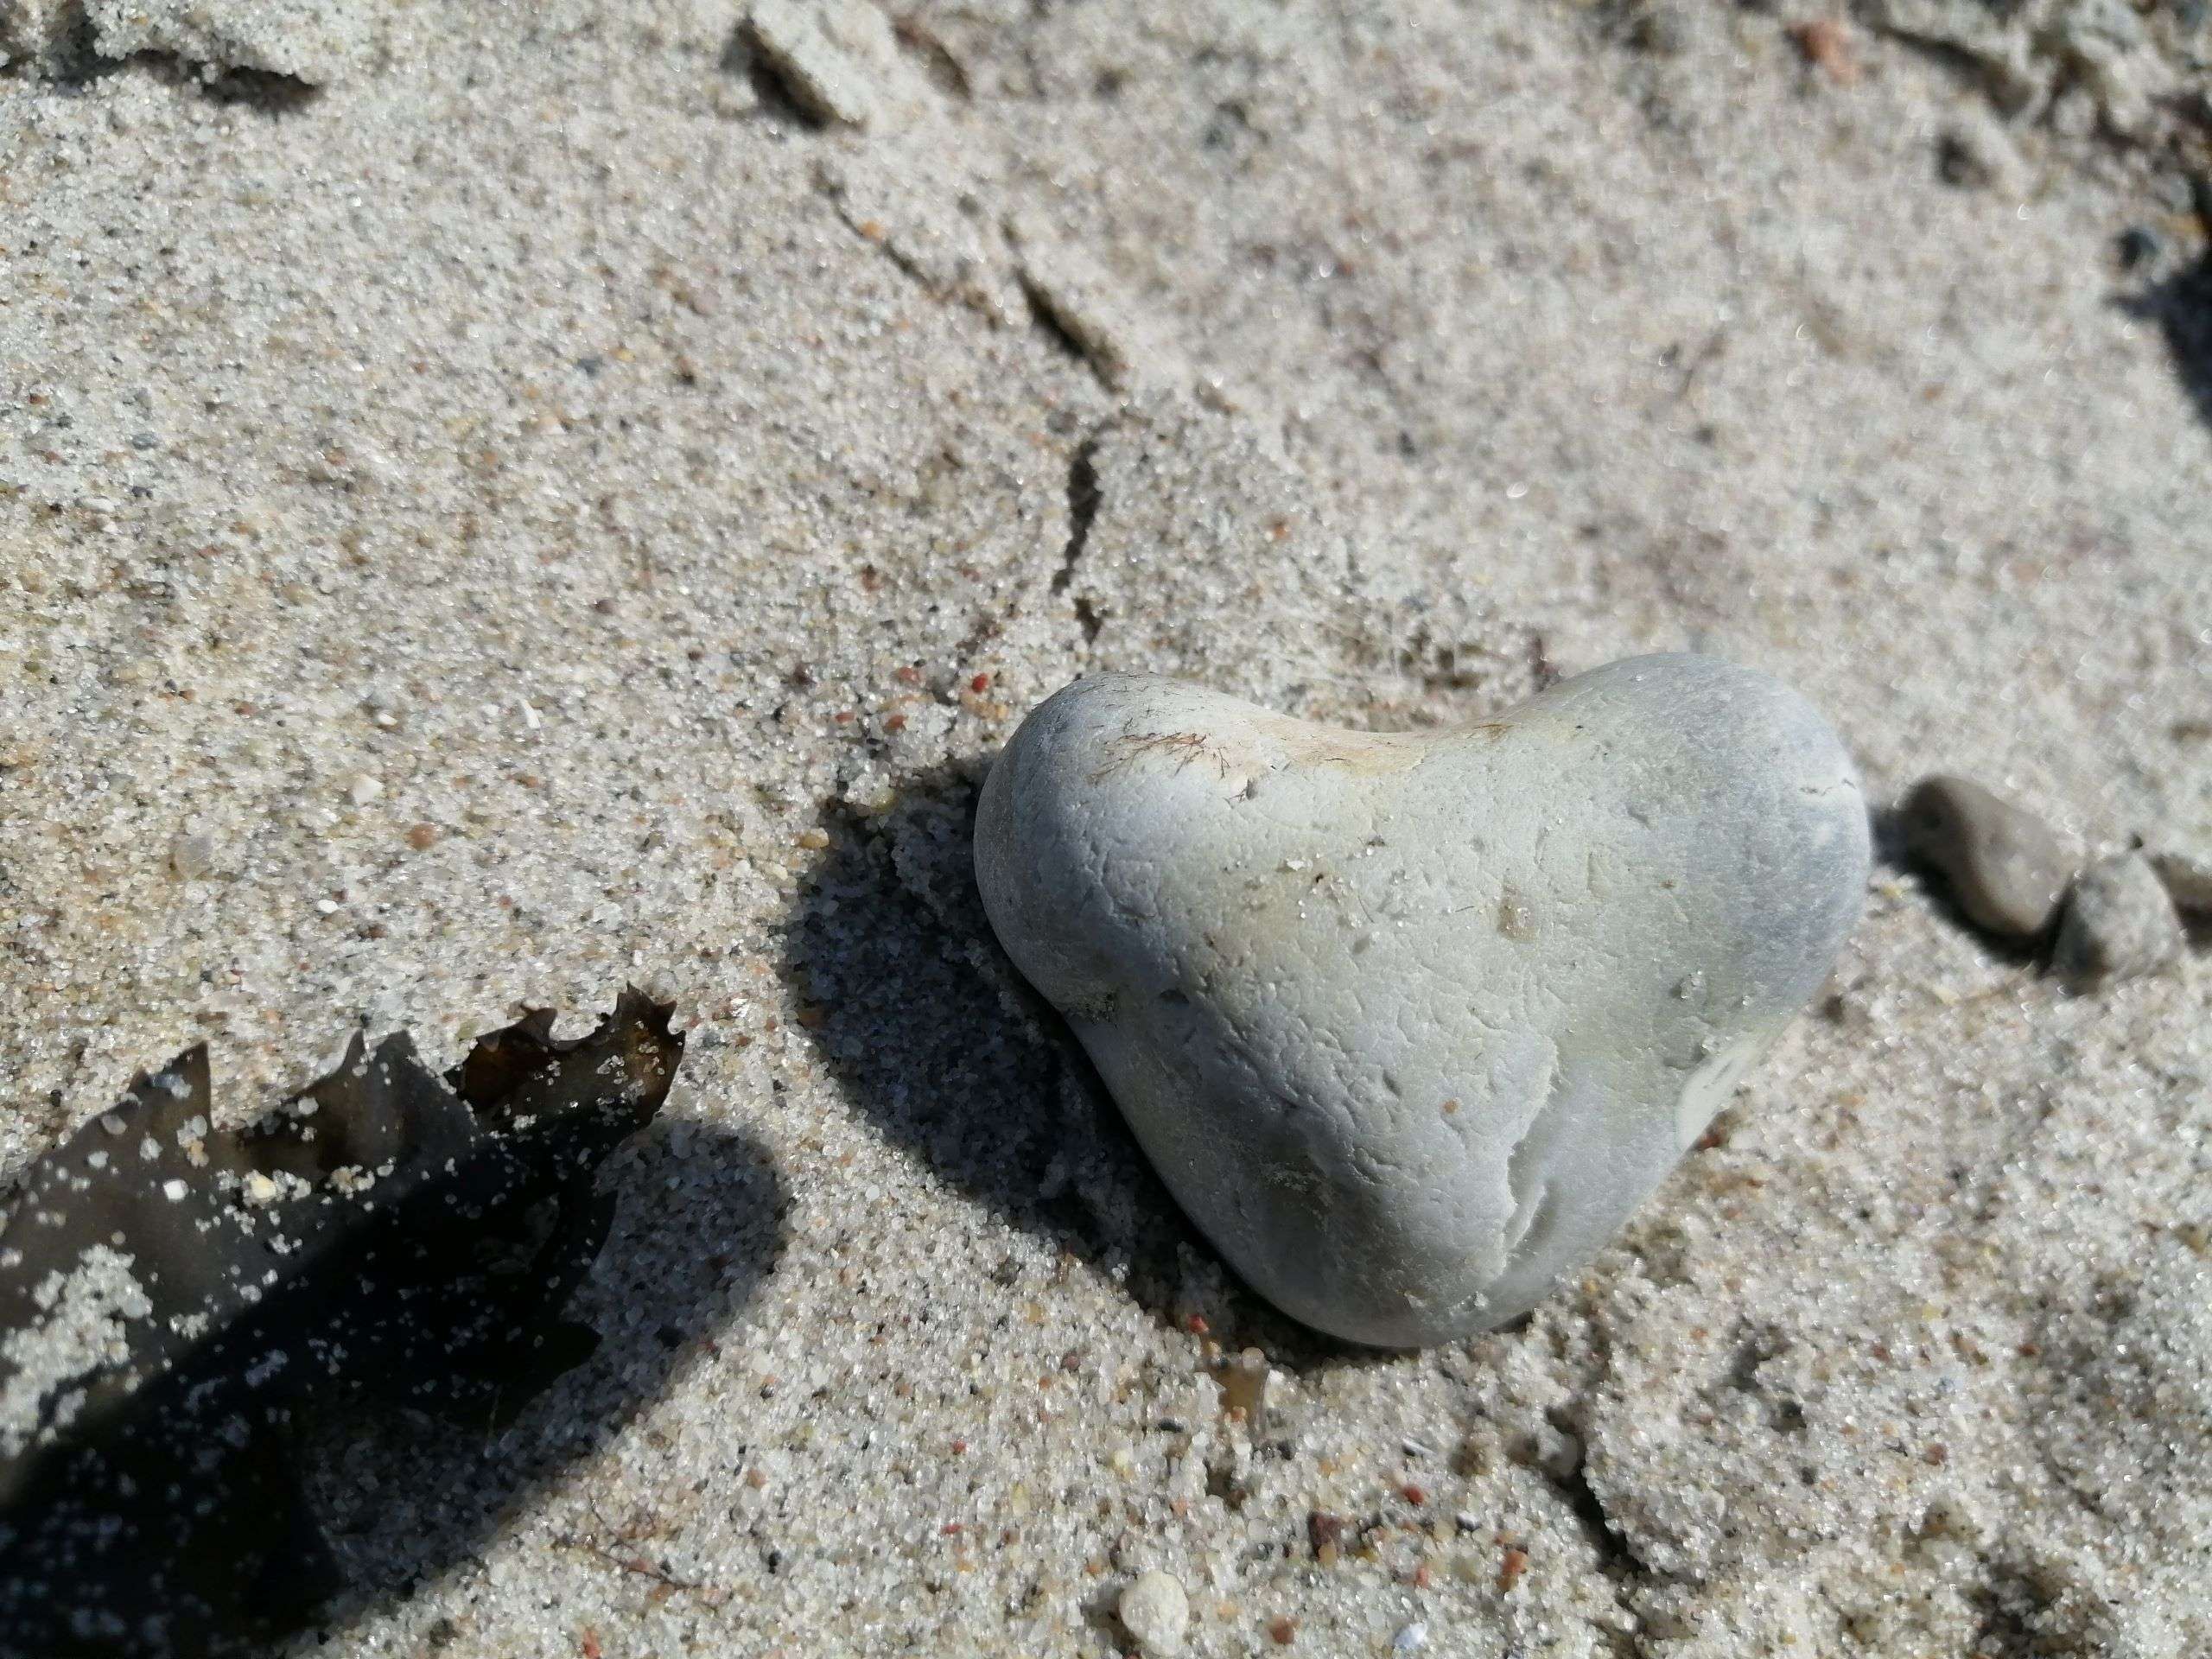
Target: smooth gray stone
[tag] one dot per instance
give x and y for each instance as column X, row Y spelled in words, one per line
column 1411, row 1023
column 2006, row 869
column 2118, row 922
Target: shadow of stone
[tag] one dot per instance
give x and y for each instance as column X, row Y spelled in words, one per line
column 2181, row 306
column 935, row 1038
column 775, row 100
column 264, row 91
column 354, row 1495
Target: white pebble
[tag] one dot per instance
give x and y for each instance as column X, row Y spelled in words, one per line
column 1155, row 1612
column 1404, row 1093
column 192, row 855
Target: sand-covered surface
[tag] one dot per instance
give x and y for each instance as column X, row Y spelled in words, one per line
column 578, row 497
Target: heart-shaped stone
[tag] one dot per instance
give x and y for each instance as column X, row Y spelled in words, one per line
column 1409, row 1023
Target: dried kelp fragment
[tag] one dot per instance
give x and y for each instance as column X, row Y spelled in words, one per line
column 170, row 1292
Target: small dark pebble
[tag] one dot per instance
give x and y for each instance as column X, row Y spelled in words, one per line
column 2138, row 246
column 1661, row 30
column 1956, row 162
column 1324, row 1530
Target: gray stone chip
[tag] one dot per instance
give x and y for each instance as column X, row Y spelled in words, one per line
column 2006, row 868
column 2118, row 924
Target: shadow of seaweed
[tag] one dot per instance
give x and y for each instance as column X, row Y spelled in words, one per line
column 353, row 1496
column 406, row 1496
column 935, row 1038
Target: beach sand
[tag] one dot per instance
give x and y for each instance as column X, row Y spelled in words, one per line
column 500, row 503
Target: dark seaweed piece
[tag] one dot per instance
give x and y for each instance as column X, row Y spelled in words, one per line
column 171, row 1292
